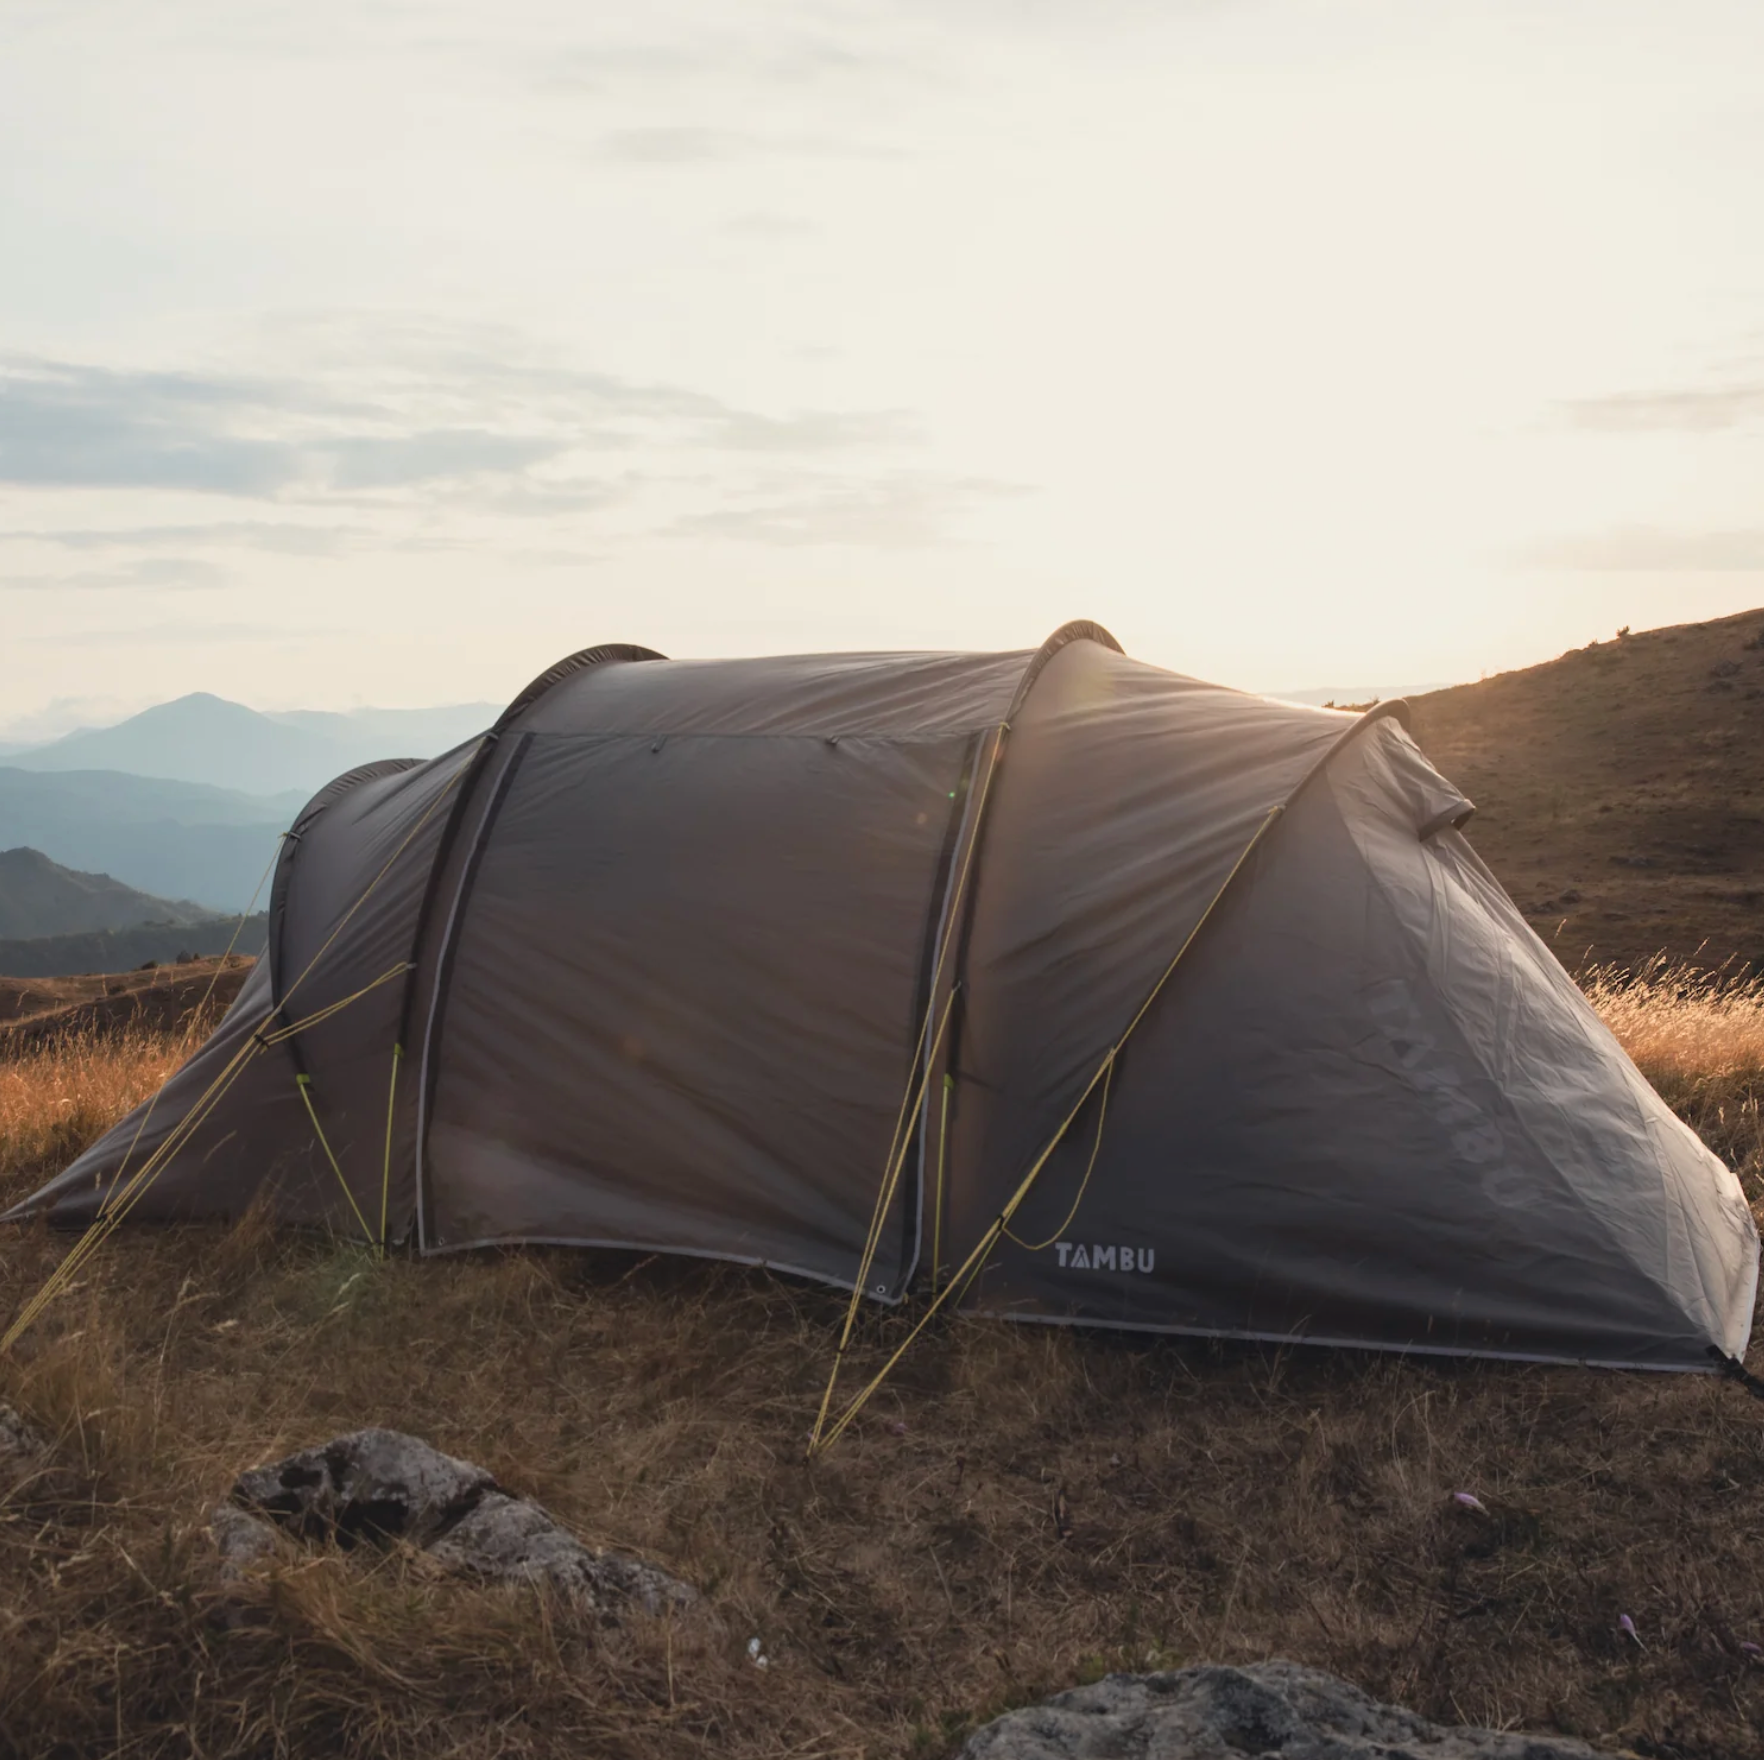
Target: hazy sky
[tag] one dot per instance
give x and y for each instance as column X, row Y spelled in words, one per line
column 384, row 353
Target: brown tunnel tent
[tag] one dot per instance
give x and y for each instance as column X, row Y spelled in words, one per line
column 664, row 960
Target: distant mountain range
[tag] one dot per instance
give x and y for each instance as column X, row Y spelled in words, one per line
column 186, row 800
column 170, row 839
column 40, row 897
column 207, row 739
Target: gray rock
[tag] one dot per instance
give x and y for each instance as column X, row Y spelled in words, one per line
column 378, row 1486
column 510, row 1540
column 373, row 1485
column 240, row 1538
column 20, row 1445
column 1268, row 1711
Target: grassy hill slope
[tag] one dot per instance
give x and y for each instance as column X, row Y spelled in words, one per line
column 40, row 897
column 122, row 950
column 1620, row 791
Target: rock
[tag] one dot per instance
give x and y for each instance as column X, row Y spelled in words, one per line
column 374, row 1485
column 20, row 1446
column 240, row 1538
column 378, row 1486
column 510, row 1540
column 1267, row 1710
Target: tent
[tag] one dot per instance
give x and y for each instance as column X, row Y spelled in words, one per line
column 1078, row 989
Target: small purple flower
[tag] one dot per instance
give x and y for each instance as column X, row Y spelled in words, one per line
column 1470, row 1500
column 1752, row 1649
column 1626, row 1624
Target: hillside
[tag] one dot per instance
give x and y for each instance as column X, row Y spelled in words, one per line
column 202, row 738
column 163, row 999
column 1620, row 791
column 172, row 839
column 123, row 950
column 40, row 897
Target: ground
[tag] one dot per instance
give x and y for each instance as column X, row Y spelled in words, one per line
column 1019, row 1511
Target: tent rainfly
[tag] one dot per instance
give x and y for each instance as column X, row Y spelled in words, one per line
column 1075, row 989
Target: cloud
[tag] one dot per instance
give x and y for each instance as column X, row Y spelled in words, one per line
column 425, row 407
column 1642, row 412
column 188, row 635
column 813, row 431
column 900, row 512
column 376, row 462
column 1647, row 548
column 71, row 425
column 161, row 573
column 242, row 534
column 71, row 428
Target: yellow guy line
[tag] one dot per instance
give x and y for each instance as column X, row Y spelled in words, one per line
column 280, row 1034
column 123, row 1197
column 303, row 1083
column 971, row 1266
column 918, row 1073
column 343, row 921
column 119, row 1203
column 1102, row 1114
column 195, row 1017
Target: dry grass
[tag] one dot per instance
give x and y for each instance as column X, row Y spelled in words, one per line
column 1224, row 1503
column 1698, row 1036
column 56, row 1100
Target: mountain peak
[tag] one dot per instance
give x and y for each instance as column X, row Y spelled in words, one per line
column 204, row 738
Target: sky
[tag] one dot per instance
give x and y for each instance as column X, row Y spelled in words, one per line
column 383, row 353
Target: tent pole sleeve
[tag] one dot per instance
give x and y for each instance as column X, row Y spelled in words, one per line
column 437, row 1015
column 957, row 835
column 605, row 654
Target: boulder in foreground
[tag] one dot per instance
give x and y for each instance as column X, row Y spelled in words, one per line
column 377, row 1487
column 1267, row 1710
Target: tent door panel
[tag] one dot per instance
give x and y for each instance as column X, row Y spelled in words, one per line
column 682, row 995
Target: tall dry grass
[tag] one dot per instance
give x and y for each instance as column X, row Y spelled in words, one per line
column 1698, row 1036
column 56, row 1100
column 1220, row 1503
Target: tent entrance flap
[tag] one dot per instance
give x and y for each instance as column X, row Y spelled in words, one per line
column 681, row 995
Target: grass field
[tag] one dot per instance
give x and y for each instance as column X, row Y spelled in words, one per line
column 1225, row 1503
